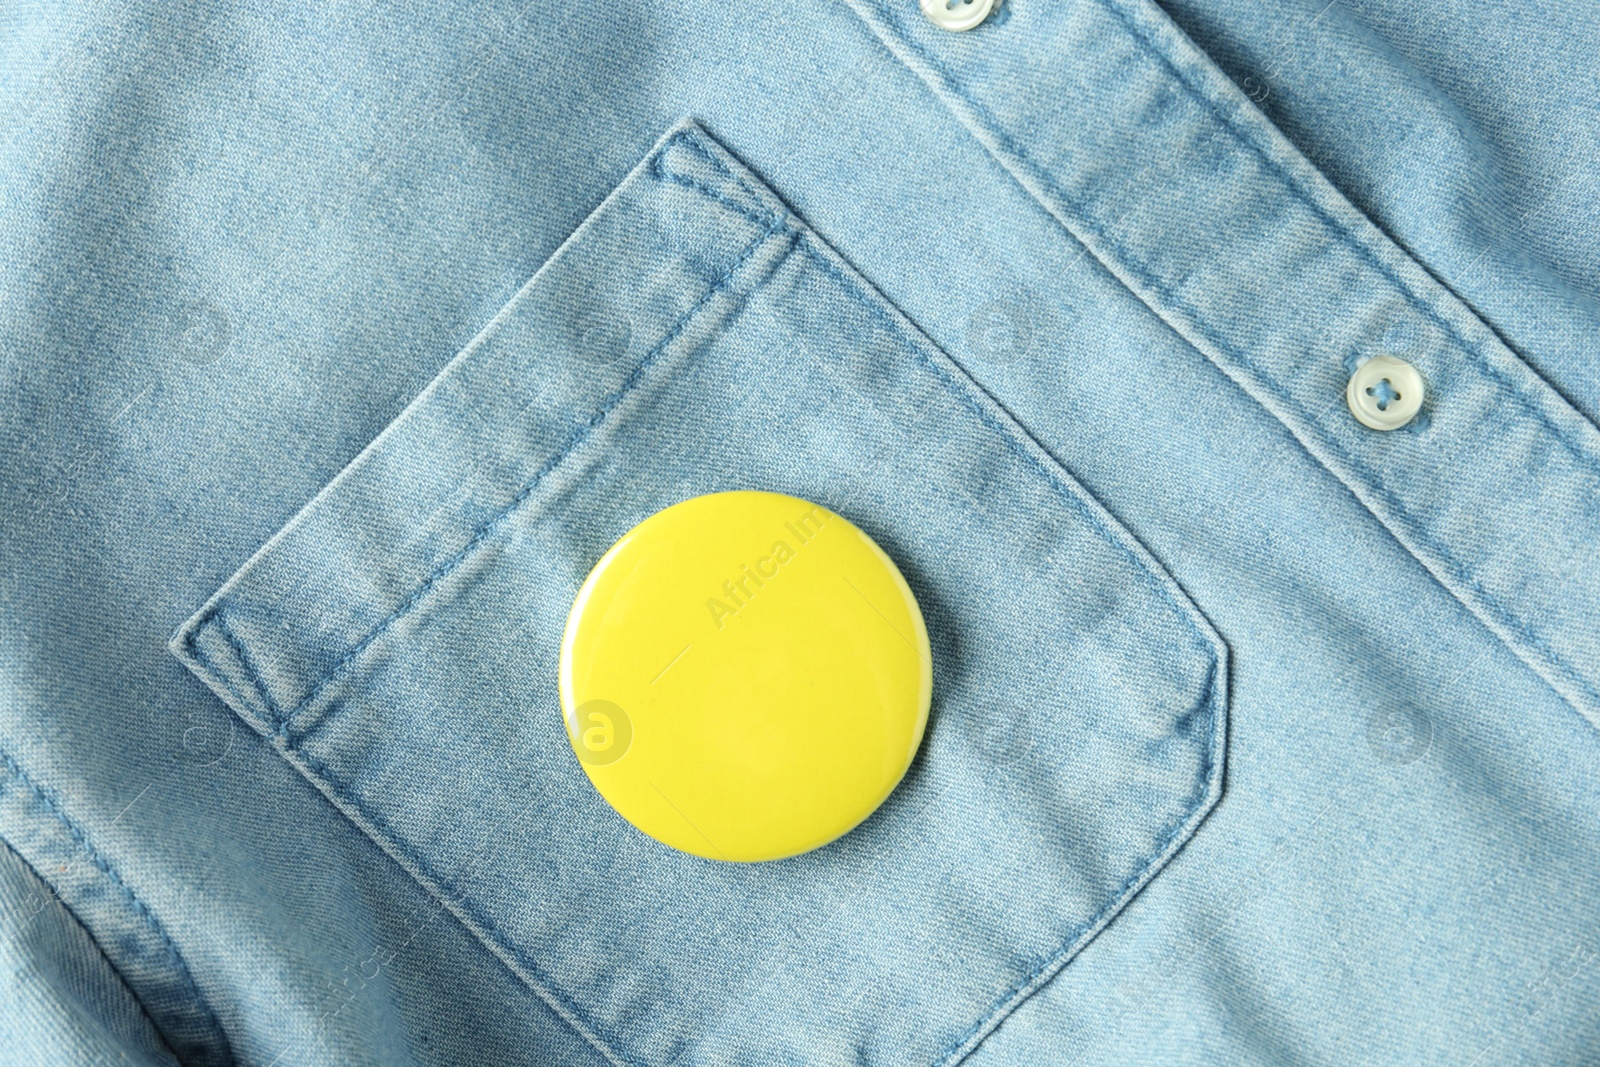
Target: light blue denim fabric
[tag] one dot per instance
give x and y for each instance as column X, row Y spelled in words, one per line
column 341, row 341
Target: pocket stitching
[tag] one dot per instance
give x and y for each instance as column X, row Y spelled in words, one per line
column 1212, row 690
column 1207, row 785
column 486, row 529
column 1070, row 491
column 1212, row 699
column 662, row 173
column 447, row 894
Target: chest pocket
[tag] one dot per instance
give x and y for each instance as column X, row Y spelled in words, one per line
column 398, row 643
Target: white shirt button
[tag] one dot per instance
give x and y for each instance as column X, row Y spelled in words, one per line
column 958, row 14
column 1384, row 393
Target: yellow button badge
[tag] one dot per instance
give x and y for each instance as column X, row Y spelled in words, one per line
column 745, row 676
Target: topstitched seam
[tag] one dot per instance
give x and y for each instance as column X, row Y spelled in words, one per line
column 1403, row 515
column 488, row 526
column 174, row 957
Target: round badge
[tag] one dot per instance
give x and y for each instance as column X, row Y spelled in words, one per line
column 745, row 676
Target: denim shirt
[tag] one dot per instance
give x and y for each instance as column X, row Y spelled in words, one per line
column 340, row 342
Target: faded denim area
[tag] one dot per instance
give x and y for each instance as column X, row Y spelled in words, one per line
column 340, row 341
